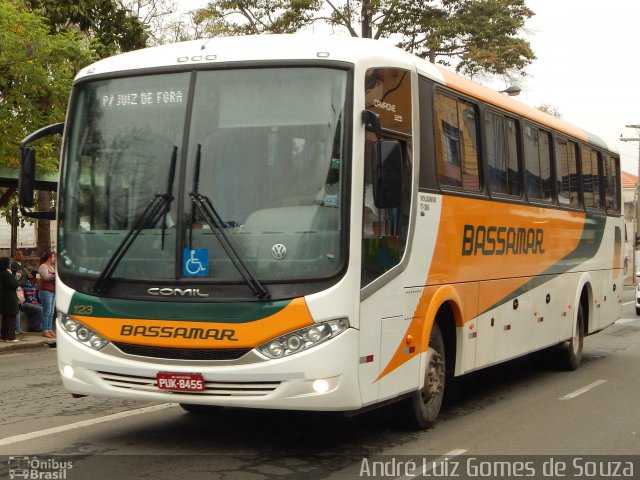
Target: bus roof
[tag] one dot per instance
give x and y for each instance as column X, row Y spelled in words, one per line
column 314, row 47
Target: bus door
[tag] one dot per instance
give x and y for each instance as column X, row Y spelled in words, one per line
column 385, row 236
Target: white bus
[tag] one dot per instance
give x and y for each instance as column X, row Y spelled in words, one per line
column 308, row 223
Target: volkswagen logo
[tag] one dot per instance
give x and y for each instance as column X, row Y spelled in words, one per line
column 278, row 251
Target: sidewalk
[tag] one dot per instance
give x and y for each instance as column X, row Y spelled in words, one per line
column 26, row 341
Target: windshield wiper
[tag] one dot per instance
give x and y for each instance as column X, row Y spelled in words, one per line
column 205, row 207
column 156, row 210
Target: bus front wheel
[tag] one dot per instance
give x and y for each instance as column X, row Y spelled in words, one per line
column 424, row 404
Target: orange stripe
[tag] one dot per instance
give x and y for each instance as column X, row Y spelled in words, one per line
column 218, row 335
column 562, row 232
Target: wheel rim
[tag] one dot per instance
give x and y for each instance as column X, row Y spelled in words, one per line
column 434, row 379
column 575, row 342
column 576, row 345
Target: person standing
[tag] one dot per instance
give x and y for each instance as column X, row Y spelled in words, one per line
column 19, row 272
column 47, row 273
column 8, row 300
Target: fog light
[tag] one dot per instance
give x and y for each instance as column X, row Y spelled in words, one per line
column 67, row 371
column 321, row 386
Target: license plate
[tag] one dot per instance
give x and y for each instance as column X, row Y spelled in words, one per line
column 180, row 382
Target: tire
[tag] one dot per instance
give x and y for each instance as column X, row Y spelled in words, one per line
column 570, row 353
column 424, row 404
column 637, row 310
column 200, row 409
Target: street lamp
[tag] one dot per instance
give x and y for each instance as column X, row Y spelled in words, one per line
column 512, row 91
column 635, row 196
column 633, row 139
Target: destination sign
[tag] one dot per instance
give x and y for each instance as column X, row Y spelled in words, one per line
column 129, row 99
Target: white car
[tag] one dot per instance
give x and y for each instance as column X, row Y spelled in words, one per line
column 638, row 299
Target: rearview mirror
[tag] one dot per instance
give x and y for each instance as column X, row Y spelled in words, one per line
column 27, row 176
column 387, row 185
column 27, row 171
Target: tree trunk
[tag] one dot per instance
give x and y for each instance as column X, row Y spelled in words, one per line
column 44, row 232
column 14, row 230
column 365, row 17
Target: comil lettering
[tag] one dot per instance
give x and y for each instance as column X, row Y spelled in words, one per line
column 500, row 240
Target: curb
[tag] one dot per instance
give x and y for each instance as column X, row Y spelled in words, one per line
column 13, row 347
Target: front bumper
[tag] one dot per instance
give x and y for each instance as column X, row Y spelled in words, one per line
column 285, row 383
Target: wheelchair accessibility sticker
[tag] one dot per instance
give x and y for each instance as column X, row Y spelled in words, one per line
column 195, row 262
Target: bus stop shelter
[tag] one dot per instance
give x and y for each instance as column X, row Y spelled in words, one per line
column 9, row 185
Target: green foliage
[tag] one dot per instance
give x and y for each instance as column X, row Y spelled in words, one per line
column 36, row 72
column 249, row 17
column 551, row 110
column 478, row 36
column 109, row 27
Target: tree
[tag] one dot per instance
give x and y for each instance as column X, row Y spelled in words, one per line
column 477, row 35
column 109, row 26
column 36, row 71
column 546, row 108
column 251, row 17
column 156, row 16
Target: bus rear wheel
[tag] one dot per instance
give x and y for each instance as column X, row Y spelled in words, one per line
column 570, row 353
column 424, row 404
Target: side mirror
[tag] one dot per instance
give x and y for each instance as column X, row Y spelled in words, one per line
column 372, row 123
column 27, row 176
column 387, row 185
column 27, row 171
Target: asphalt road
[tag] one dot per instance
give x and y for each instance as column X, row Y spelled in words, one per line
column 518, row 408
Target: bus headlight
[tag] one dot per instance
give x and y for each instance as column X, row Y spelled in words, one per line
column 303, row 339
column 82, row 333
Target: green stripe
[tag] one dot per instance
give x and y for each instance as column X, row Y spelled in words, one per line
column 240, row 312
column 587, row 247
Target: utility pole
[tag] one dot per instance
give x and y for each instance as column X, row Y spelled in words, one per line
column 635, row 196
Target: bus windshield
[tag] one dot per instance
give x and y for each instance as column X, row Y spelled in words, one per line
column 263, row 147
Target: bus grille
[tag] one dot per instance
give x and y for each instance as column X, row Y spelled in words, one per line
column 212, row 389
column 182, row 353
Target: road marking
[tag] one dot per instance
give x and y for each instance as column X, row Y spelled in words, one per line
column 426, row 470
column 580, row 391
column 85, row 423
column 628, row 303
column 622, row 321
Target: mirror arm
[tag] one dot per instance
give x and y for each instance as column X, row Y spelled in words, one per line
column 43, row 132
column 372, row 123
column 49, row 215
